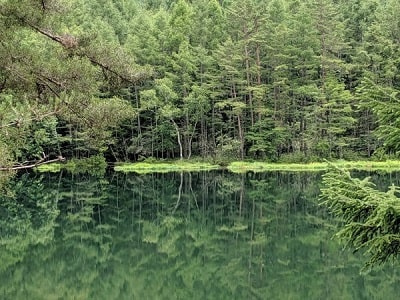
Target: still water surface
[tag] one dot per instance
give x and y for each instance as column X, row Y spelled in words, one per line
column 205, row 235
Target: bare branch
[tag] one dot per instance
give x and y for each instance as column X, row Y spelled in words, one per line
column 30, row 166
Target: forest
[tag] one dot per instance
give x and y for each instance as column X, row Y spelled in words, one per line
column 278, row 80
column 291, row 81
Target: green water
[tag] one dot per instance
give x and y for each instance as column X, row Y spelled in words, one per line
column 205, row 235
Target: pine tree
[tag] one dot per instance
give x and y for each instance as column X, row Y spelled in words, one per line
column 58, row 82
column 371, row 217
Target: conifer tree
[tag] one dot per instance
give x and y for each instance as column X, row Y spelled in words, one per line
column 371, row 217
column 53, row 74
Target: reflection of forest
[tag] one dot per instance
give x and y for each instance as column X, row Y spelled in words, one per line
column 206, row 235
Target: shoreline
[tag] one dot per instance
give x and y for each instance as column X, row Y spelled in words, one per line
column 234, row 166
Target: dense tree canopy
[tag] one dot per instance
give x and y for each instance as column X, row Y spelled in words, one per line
column 278, row 79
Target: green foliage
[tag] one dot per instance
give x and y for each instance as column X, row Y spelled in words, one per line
column 284, row 79
column 266, row 139
column 28, row 218
column 382, row 100
column 97, row 120
column 371, row 217
column 52, row 75
column 95, row 165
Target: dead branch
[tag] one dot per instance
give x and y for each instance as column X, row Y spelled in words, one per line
column 33, row 165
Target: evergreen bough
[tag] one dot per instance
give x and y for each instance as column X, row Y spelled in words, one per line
column 371, row 217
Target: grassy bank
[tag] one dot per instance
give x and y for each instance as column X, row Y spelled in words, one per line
column 238, row 167
column 147, row 167
column 235, row 167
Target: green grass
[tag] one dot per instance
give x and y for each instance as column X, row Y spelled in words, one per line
column 53, row 167
column 238, row 167
column 235, row 167
column 144, row 167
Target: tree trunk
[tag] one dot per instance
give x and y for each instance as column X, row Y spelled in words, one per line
column 246, row 53
column 179, row 139
column 241, row 138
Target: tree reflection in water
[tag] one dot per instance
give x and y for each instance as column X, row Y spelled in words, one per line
column 205, row 235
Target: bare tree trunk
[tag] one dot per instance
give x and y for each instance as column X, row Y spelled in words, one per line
column 258, row 63
column 241, row 137
column 179, row 139
column 190, row 141
column 246, row 53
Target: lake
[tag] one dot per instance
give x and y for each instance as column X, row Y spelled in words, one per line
column 201, row 235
